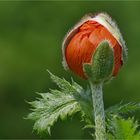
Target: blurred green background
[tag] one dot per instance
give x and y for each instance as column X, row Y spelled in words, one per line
column 31, row 34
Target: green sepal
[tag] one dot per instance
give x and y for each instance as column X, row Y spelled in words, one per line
column 101, row 67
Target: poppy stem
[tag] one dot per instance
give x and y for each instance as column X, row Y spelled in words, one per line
column 98, row 107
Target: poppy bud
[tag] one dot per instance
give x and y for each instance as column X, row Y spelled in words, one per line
column 95, row 41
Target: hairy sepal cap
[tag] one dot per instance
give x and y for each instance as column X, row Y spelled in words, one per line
column 101, row 67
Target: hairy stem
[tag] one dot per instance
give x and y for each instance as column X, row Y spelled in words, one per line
column 99, row 115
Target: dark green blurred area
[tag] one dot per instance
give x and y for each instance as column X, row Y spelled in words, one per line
column 31, row 34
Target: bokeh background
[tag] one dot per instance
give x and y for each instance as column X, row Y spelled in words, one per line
column 31, row 34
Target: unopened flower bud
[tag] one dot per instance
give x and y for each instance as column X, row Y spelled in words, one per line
column 83, row 41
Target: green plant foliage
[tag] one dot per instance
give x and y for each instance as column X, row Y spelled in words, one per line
column 122, row 109
column 119, row 111
column 66, row 101
column 124, row 129
column 71, row 98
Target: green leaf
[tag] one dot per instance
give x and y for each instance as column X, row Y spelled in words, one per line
column 122, row 109
column 50, row 107
column 71, row 98
column 124, row 129
column 66, row 101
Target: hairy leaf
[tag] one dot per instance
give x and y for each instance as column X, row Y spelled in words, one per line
column 122, row 109
column 124, row 129
column 71, row 98
column 68, row 100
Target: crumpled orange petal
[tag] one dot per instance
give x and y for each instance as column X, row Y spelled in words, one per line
column 83, row 44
